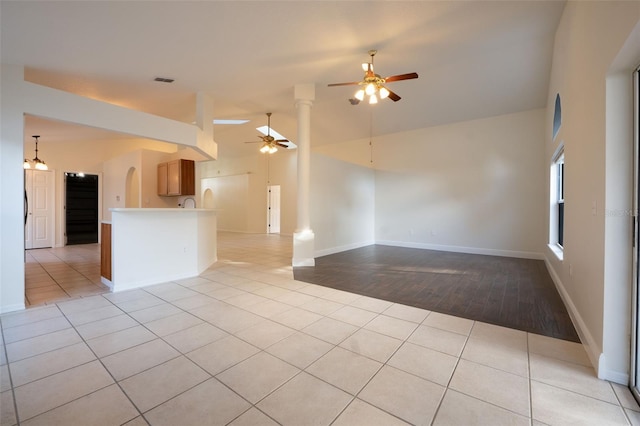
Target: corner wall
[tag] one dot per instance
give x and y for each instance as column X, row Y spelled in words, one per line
column 594, row 275
column 342, row 205
column 474, row 187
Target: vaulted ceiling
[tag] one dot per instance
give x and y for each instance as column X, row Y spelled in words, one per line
column 475, row 59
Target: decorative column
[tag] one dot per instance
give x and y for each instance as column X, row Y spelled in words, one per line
column 303, row 238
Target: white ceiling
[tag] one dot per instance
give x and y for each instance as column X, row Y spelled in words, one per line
column 475, row 59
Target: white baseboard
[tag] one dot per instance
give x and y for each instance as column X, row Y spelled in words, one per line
column 461, row 249
column 12, row 308
column 339, row 249
column 605, row 373
column 597, row 358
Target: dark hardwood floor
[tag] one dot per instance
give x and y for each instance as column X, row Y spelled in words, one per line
column 510, row 292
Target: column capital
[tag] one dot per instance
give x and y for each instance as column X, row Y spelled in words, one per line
column 304, row 92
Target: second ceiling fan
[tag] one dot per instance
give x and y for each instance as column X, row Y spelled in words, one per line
column 269, row 143
column 373, row 86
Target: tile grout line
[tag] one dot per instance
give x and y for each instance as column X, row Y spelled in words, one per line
column 453, row 372
column 529, row 381
column 13, row 392
column 102, row 364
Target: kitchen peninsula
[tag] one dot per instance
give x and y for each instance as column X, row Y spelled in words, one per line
column 155, row 245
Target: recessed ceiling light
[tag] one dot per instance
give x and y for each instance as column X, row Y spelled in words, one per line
column 229, row 121
column 164, row 80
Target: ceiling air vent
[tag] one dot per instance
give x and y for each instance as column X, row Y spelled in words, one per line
column 164, row 80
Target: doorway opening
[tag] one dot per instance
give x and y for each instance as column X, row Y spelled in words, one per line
column 81, row 208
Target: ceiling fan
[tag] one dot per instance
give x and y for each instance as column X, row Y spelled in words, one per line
column 269, row 143
column 373, row 86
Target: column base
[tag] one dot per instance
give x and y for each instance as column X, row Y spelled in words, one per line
column 303, row 248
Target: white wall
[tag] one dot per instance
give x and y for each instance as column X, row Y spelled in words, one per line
column 475, row 186
column 342, row 204
column 594, row 274
column 231, row 199
column 342, row 197
column 239, row 187
column 11, row 191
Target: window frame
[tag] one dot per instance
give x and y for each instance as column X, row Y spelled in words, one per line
column 557, row 203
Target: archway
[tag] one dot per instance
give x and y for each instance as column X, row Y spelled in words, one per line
column 132, row 189
column 207, row 199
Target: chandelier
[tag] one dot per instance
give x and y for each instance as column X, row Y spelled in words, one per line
column 38, row 164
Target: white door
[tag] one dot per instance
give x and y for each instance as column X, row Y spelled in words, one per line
column 273, row 209
column 39, row 195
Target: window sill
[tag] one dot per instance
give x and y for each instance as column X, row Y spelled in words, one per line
column 557, row 251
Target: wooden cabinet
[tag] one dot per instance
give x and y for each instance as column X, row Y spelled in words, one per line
column 162, row 179
column 105, row 251
column 177, row 177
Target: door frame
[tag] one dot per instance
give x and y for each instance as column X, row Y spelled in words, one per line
column 62, row 223
column 635, row 297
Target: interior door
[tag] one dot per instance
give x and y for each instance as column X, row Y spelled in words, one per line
column 273, row 209
column 39, row 188
column 634, row 383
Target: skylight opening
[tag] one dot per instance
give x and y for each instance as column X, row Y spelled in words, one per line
column 265, row 131
column 277, row 136
column 229, row 121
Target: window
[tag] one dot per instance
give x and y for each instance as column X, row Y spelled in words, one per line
column 557, row 116
column 560, row 198
column 556, row 211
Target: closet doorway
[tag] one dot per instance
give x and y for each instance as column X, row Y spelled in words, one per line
column 81, row 208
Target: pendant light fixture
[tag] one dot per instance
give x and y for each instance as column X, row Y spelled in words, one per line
column 38, row 164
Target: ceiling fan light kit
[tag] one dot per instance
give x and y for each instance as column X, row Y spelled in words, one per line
column 373, row 86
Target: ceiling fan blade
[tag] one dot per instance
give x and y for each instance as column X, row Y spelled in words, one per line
column 282, row 140
column 253, row 142
column 408, row 76
column 393, row 96
column 353, row 83
column 282, row 145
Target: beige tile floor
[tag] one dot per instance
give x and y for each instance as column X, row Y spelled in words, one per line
column 57, row 274
column 245, row 344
